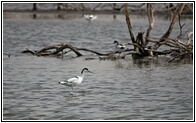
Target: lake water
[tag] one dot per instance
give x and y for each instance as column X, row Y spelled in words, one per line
column 118, row 90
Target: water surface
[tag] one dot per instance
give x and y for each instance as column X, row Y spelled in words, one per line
column 119, row 89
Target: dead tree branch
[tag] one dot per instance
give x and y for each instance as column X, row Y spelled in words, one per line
column 168, row 32
column 92, row 51
column 46, row 51
column 150, row 20
column 181, row 26
column 129, row 25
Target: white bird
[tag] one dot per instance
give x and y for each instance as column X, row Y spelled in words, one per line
column 89, row 17
column 120, row 47
column 75, row 80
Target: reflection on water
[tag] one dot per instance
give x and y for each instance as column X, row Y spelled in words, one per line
column 119, row 89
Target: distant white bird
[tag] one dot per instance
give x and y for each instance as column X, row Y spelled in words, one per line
column 75, row 80
column 119, row 47
column 89, row 17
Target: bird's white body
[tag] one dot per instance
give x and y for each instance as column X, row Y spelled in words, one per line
column 120, row 47
column 90, row 17
column 75, row 80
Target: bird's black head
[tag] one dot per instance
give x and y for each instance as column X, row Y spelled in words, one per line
column 85, row 69
column 116, row 42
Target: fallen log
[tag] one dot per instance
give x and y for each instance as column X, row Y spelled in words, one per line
column 46, row 51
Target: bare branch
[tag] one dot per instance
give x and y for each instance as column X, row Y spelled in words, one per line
column 85, row 49
column 168, row 32
column 129, row 25
column 67, row 46
column 150, row 20
column 181, row 26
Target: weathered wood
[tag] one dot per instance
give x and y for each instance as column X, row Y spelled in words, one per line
column 92, row 51
column 174, row 18
column 181, row 26
column 47, row 48
column 168, row 32
column 129, row 25
column 60, row 49
column 180, row 56
column 34, row 6
column 150, row 21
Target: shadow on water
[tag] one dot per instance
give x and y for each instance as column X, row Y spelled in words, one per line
column 67, row 94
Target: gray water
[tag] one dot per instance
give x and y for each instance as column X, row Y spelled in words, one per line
column 118, row 89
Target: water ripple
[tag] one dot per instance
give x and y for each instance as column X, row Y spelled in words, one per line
column 119, row 90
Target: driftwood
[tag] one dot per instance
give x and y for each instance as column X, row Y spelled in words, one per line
column 57, row 50
column 181, row 51
column 177, row 49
